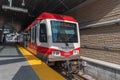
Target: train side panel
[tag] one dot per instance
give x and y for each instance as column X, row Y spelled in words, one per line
column 42, row 42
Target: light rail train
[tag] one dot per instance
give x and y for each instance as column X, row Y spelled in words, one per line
column 53, row 38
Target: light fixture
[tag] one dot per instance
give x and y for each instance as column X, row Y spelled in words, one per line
column 15, row 9
column 23, row 3
column 10, row 7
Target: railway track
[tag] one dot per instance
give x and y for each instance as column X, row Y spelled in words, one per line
column 69, row 76
column 71, row 72
column 77, row 77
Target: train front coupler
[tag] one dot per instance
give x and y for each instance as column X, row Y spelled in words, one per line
column 72, row 66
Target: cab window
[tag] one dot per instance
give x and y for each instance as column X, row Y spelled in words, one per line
column 43, row 33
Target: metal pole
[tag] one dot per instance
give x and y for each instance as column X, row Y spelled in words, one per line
column 10, row 3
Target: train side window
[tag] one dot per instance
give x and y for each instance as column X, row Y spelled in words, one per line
column 35, row 27
column 29, row 36
column 33, row 34
column 43, row 33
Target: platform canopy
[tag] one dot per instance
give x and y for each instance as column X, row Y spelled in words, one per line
column 23, row 12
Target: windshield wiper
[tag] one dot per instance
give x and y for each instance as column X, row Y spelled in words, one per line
column 69, row 37
column 67, row 40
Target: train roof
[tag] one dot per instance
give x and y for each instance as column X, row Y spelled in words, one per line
column 46, row 15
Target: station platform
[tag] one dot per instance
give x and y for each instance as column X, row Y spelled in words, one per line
column 16, row 63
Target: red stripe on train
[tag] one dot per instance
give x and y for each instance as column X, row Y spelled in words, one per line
column 48, row 51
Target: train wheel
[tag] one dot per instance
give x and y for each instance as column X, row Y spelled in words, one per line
column 46, row 62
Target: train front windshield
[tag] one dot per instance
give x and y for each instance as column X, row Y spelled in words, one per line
column 64, row 32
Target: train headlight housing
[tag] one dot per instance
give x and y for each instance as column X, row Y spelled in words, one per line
column 55, row 53
column 75, row 52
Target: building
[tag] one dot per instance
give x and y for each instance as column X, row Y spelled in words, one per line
column 100, row 37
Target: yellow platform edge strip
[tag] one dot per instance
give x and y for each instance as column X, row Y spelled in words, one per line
column 43, row 71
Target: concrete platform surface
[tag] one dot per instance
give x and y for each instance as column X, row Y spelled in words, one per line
column 13, row 66
column 43, row 71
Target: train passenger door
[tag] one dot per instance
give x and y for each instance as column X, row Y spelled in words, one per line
column 25, row 39
column 43, row 41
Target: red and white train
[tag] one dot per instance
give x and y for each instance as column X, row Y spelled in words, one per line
column 53, row 37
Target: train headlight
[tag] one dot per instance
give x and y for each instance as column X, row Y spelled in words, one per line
column 55, row 53
column 75, row 52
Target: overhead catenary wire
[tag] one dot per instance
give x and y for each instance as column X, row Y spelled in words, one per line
column 64, row 4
